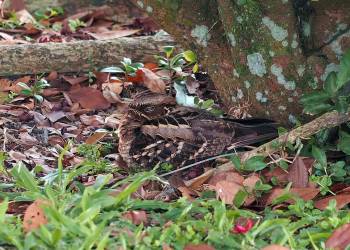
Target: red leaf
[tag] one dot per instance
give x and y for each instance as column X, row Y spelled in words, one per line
column 342, row 200
column 340, row 238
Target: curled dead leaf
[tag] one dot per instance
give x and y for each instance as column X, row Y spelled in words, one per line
column 152, row 81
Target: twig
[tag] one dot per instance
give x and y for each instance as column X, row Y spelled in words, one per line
column 328, row 120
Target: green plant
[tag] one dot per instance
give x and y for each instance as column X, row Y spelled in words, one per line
column 11, row 23
column 334, row 94
column 10, row 96
column 34, row 91
column 75, row 24
column 48, row 13
column 128, row 68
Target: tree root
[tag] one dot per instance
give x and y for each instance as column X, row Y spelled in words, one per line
column 328, row 120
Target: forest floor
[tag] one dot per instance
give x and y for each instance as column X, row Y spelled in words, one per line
column 64, row 186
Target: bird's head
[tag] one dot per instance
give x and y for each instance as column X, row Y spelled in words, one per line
column 151, row 105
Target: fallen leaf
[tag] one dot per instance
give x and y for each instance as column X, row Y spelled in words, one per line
column 75, row 80
column 152, row 81
column 250, row 182
column 24, row 16
column 6, row 36
column 275, row 247
column 304, row 193
column 93, row 120
column 230, row 176
column 113, row 34
column 89, row 98
column 34, row 216
column 198, row 247
column 226, row 191
column 188, row 192
column 278, row 173
column 341, row 199
column 340, row 238
column 93, row 139
column 298, row 173
column 195, row 183
column 137, row 217
column 27, row 139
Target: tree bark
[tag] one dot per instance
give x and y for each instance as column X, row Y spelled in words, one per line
column 258, row 52
column 77, row 56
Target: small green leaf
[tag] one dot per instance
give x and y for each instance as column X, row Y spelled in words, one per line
column 190, row 56
column 260, row 186
column 195, row 68
column 27, row 92
column 23, row 85
column 240, row 198
column 256, row 163
column 314, row 97
column 39, row 98
column 330, row 84
column 236, row 161
column 113, row 70
column 207, row 104
column 317, row 108
column 168, row 50
column 319, row 155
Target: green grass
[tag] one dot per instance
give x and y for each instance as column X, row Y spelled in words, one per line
column 91, row 217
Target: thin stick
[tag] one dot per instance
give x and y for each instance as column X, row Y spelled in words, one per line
column 328, row 120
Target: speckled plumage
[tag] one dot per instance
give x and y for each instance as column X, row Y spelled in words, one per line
column 155, row 129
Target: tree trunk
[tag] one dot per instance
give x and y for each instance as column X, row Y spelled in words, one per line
column 261, row 54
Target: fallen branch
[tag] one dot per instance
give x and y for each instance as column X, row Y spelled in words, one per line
column 77, row 56
column 328, row 120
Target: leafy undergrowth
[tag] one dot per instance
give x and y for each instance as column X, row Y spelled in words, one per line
column 64, row 188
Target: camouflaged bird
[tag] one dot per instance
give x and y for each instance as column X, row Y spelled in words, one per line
column 155, row 130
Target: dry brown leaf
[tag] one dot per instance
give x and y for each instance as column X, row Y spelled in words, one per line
column 6, row 36
column 340, row 238
column 93, row 139
column 198, row 247
column 280, row 174
column 27, row 139
column 275, row 247
column 298, row 173
column 195, row 183
column 137, row 217
column 34, row 216
column 341, row 199
column 17, row 156
column 250, row 182
column 188, row 192
column 75, row 80
column 152, row 81
column 230, row 176
column 113, row 34
column 89, row 98
column 226, row 191
column 93, row 120
column 304, row 193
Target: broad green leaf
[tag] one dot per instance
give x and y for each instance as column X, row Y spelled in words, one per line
column 342, row 104
column 314, row 97
column 236, row 162
column 195, row 68
column 344, row 70
column 256, row 163
column 319, row 155
column 330, row 84
column 344, row 142
column 317, row 108
column 27, row 92
column 190, row 56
